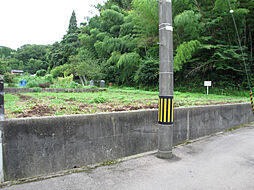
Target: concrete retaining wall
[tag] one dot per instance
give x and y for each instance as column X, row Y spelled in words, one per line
column 35, row 146
column 29, row 90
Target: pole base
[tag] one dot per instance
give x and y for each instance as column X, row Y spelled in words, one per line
column 164, row 154
column 165, row 141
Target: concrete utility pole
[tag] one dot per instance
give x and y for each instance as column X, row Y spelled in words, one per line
column 1, row 127
column 165, row 115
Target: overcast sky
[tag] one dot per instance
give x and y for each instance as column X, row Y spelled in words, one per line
column 39, row 21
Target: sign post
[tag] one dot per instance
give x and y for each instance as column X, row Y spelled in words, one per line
column 207, row 84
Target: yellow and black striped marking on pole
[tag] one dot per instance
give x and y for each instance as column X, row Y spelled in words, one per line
column 165, row 112
column 251, row 100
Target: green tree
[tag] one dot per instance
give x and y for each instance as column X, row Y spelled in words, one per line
column 123, row 4
column 26, row 52
column 110, row 69
column 6, row 52
column 147, row 21
column 147, row 74
column 3, row 66
column 62, row 70
column 31, row 58
column 72, row 24
column 187, row 27
column 121, row 43
column 128, row 65
column 55, row 55
column 61, row 52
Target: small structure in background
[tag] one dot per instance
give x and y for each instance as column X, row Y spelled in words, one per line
column 91, row 83
column 19, row 72
column 102, row 83
column 110, row 84
column 22, row 83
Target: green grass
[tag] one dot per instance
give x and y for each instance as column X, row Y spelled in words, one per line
column 193, row 99
column 105, row 101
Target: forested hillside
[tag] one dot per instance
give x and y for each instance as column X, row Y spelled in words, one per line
column 121, row 45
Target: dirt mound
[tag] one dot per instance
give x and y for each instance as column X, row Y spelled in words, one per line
column 24, row 97
column 38, row 110
column 135, row 107
column 110, row 107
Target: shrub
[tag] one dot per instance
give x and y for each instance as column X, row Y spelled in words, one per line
column 148, row 73
column 128, row 65
column 41, row 72
column 62, row 70
column 37, row 89
column 31, row 84
column 49, row 78
column 65, row 82
column 99, row 99
column 9, row 79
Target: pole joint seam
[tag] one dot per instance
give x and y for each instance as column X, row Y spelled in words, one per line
column 168, row 24
column 166, row 72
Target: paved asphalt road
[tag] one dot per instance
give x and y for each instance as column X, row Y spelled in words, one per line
column 225, row 161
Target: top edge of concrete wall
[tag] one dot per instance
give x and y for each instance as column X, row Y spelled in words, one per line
column 122, row 112
column 82, row 115
column 214, row 105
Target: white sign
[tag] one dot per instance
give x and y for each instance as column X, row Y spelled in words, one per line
column 170, row 28
column 207, row 83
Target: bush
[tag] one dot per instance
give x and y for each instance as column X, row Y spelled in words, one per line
column 62, row 70
column 99, row 100
column 32, row 84
column 49, row 78
column 37, row 89
column 75, row 85
column 148, row 73
column 65, row 82
column 41, row 73
column 35, row 81
column 128, row 65
column 10, row 79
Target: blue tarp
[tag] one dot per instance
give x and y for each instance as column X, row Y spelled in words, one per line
column 22, row 83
